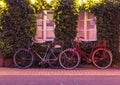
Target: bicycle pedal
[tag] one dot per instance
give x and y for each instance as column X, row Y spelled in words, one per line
column 40, row 63
column 89, row 61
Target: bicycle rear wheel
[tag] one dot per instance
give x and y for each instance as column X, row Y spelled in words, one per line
column 23, row 58
column 102, row 58
column 53, row 59
column 69, row 59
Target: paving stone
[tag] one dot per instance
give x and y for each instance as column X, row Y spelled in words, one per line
column 49, row 71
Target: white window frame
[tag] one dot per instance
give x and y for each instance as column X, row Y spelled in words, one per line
column 87, row 34
column 44, row 28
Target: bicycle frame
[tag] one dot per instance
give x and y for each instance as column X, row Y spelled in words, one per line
column 24, row 57
column 43, row 58
column 99, row 55
column 94, row 47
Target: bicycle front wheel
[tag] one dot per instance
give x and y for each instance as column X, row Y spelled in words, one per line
column 102, row 58
column 53, row 59
column 23, row 58
column 69, row 59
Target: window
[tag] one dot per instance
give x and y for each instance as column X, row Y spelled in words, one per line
column 86, row 27
column 45, row 26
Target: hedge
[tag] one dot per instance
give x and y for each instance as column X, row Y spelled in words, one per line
column 17, row 26
column 108, row 25
column 65, row 18
column 18, row 22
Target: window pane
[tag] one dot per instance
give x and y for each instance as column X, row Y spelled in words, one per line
column 39, row 33
column 90, row 24
column 86, row 27
column 91, row 21
column 50, row 34
column 90, row 15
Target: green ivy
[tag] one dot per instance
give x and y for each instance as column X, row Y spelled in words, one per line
column 65, row 18
column 18, row 26
column 39, row 5
column 91, row 3
column 108, row 24
column 18, row 22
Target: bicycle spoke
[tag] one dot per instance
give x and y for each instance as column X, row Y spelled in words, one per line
column 23, row 58
column 102, row 58
column 69, row 59
column 53, row 58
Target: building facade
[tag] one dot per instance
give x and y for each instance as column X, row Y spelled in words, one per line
column 86, row 29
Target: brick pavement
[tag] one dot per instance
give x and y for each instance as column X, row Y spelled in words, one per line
column 49, row 71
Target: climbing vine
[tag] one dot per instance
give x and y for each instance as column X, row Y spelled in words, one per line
column 65, row 18
column 108, row 24
column 18, row 25
column 18, row 21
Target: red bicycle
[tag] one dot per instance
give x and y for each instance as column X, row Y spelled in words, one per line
column 100, row 55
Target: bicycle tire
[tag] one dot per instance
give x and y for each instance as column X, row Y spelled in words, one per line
column 68, row 62
column 53, row 59
column 23, row 58
column 101, row 60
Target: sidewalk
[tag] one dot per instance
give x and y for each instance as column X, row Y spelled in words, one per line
column 61, row 72
column 48, row 76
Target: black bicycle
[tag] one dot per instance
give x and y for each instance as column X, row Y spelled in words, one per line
column 24, row 58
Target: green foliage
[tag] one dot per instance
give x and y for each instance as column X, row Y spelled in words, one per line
column 18, row 26
column 108, row 22
column 90, row 3
column 18, row 22
column 3, row 7
column 87, row 46
column 39, row 5
column 65, row 18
